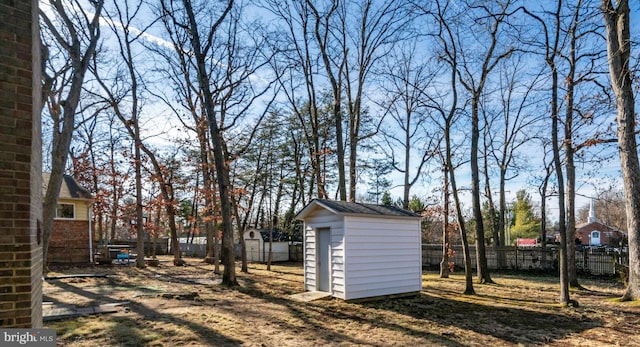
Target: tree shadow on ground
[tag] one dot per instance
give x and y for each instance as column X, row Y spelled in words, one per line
column 322, row 319
column 509, row 324
column 126, row 331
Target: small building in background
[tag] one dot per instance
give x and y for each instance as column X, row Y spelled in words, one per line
column 256, row 242
column 594, row 233
column 354, row 250
column 72, row 240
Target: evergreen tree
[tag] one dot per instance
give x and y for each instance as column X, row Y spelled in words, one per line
column 386, row 199
column 525, row 222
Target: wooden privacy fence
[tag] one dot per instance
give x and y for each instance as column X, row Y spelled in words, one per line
column 588, row 261
column 296, row 251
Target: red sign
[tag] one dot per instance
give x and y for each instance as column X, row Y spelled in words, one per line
column 527, row 242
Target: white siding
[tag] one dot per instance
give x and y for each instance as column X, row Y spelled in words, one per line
column 383, row 256
column 258, row 250
column 322, row 218
column 279, row 250
column 309, row 258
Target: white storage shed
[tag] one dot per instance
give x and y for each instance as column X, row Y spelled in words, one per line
column 257, row 244
column 354, row 250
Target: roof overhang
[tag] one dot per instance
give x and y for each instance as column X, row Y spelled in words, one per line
column 316, row 204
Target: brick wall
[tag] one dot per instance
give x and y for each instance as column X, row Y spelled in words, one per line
column 69, row 242
column 608, row 236
column 20, row 160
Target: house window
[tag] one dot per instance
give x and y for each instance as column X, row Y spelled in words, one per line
column 66, row 211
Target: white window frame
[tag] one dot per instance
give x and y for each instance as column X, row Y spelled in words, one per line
column 66, row 218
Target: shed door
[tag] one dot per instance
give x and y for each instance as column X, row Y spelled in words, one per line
column 253, row 250
column 323, row 259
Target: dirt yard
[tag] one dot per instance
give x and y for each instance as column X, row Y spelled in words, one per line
column 186, row 306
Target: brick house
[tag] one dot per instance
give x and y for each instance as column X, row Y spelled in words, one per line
column 594, row 233
column 21, row 162
column 72, row 239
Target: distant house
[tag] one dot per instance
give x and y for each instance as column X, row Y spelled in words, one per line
column 594, row 233
column 354, row 250
column 257, row 244
column 71, row 239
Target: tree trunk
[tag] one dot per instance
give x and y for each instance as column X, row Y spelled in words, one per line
column 571, row 212
column 468, row 276
column 406, row 187
column 463, row 233
column 63, row 133
column 543, row 219
column 564, row 275
column 342, row 181
column 218, row 144
column 209, row 213
column 617, row 24
column 115, row 197
column 569, row 153
column 501, row 256
column 444, row 264
column 353, row 175
column 492, row 209
column 139, row 208
column 481, row 255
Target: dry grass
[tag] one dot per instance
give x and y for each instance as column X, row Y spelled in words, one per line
column 169, row 306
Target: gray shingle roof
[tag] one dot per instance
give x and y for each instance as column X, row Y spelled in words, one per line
column 70, row 188
column 345, row 207
column 278, row 235
column 75, row 189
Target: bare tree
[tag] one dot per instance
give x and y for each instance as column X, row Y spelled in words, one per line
column 348, row 57
column 551, row 48
column 334, row 61
column 543, row 189
column 580, row 105
column 380, row 26
column 126, row 92
column 408, row 134
column 75, row 32
column 185, row 95
column 474, row 79
column 115, row 178
column 449, row 53
column 297, row 66
column 200, row 51
column 90, row 166
column 511, row 130
column 617, row 23
column 224, row 69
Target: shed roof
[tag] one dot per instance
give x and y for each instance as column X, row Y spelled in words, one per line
column 355, row 208
column 70, row 188
column 278, row 235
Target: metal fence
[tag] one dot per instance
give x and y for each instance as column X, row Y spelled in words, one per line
column 599, row 261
